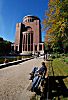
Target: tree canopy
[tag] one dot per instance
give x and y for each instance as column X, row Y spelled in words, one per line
column 5, row 46
column 56, row 22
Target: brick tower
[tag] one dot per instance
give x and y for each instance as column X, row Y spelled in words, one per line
column 28, row 35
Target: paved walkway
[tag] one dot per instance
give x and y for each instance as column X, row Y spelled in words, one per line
column 14, row 80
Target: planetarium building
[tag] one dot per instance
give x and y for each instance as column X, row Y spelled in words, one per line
column 28, row 36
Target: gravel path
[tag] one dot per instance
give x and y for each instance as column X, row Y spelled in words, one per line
column 14, row 80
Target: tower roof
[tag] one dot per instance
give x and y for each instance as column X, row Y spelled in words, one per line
column 31, row 16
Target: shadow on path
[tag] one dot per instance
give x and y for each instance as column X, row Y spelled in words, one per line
column 55, row 87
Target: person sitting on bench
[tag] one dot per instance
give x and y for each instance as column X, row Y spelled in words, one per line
column 38, row 76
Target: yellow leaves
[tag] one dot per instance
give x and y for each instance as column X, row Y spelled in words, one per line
column 56, row 20
column 53, row 21
column 51, row 0
column 50, row 38
column 57, row 10
column 45, row 21
column 62, row 35
column 62, row 28
column 63, row 25
column 50, row 30
column 60, row 23
column 48, row 14
column 51, row 10
column 57, row 0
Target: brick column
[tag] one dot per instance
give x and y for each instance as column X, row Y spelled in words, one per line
column 22, row 41
column 34, row 47
column 30, row 41
column 27, row 41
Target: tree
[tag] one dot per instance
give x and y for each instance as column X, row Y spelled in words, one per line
column 5, row 47
column 56, row 22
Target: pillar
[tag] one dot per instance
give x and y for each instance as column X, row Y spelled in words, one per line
column 27, row 41
column 22, row 41
column 30, row 41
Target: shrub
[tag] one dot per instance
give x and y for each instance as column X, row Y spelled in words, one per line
column 53, row 57
column 66, row 60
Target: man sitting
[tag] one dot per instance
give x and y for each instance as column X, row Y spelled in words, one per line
column 38, row 76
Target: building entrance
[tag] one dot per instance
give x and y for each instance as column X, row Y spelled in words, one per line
column 35, row 47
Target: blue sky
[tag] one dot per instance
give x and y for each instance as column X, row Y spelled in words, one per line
column 13, row 11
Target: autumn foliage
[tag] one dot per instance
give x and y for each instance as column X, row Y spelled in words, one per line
column 56, row 22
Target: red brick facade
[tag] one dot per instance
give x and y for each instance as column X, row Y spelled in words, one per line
column 28, row 35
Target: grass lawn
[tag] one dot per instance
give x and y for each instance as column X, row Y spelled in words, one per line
column 60, row 67
column 59, row 70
